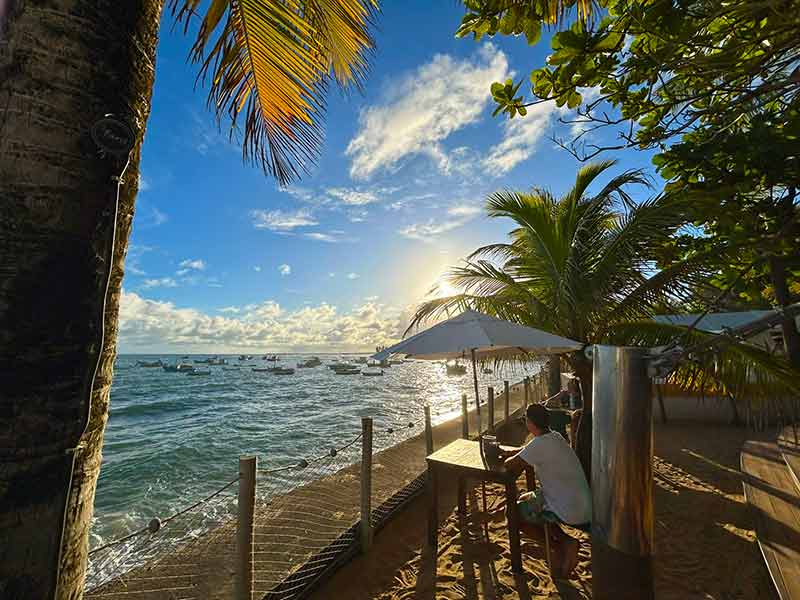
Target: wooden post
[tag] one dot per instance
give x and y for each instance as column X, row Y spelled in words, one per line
column 244, row 527
column 507, row 400
column 490, row 410
column 464, row 417
column 366, row 483
column 428, row 431
column 527, row 399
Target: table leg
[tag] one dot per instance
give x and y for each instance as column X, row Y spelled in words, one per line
column 512, row 515
column 433, row 506
column 462, row 497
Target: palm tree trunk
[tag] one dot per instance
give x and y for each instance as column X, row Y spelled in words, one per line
column 583, row 447
column 63, row 65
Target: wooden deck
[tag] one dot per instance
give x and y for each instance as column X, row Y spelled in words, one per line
column 771, row 490
column 789, row 443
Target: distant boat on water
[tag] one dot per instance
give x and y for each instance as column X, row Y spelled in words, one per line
column 196, row 372
column 281, row 371
column 310, row 363
column 149, row 364
column 372, row 373
column 180, row 367
column 455, row 368
column 272, row 358
column 346, row 369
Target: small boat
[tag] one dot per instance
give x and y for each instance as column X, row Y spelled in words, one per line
column 273, row 358
column 149, row 364
column 198, row 372
column 369, row 373
column 242, row 357
column 310, row 363
column 282, row 371
column 203, row 361
column 455, row 368
column 185, row 357
column 232, row 368
column 180, row 367
column 217, row 362
column 347, row 370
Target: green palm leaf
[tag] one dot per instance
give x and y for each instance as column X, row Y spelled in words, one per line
column 268, row 63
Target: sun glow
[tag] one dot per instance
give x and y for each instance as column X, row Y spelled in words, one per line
column 444, row 288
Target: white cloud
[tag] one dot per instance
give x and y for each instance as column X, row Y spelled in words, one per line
column 278, row 220
column 148, row 324
column 162, row 282
column 353, row 276
column 285, row 270
column 425, row 108
column 520, row 137
column 257, row 269
column 144, row 184
column 353, row 197
column 331, row 274
column 357, row 215
column 464, row 210
column 331, row 237
column 193, row 264
column 455, row 216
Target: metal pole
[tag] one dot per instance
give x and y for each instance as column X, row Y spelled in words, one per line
column 244, row 527
column 475, row 383
column 490, row 410
column 464, row 417
column 553, row 375
column 527, row 399
column 428, row 431
column 507, row 399
column 622, row 475
column 366, row 483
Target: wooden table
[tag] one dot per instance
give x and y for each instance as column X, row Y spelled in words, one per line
column 462, row 458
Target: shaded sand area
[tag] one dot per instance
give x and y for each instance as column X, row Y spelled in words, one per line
column 705, row 544
column 293, row 528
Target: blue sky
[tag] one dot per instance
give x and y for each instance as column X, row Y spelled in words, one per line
column 223, row 260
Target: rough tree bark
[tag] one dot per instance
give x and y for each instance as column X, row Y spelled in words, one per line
column 63, row 65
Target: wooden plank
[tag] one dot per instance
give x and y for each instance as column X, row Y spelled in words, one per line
column 789, row 443
column 771, row 491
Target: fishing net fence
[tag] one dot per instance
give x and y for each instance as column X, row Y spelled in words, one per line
column 304, row 519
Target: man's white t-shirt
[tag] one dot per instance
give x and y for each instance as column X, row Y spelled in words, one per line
column 564, row 486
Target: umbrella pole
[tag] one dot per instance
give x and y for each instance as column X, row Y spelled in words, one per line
column 475, row 381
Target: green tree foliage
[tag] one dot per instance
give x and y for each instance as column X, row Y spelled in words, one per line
column 581, row 266
column 713, row 87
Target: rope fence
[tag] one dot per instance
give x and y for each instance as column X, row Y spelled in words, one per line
column 293, row 523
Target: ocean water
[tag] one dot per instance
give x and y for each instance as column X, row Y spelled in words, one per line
column 172, row 438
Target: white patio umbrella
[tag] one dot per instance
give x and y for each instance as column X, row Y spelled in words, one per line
column 478, row 336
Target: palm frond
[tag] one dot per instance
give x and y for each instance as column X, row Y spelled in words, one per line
column 269, row 63
column 735, row 367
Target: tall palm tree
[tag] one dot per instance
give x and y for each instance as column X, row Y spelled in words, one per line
column 583, row 266
column 68, row 181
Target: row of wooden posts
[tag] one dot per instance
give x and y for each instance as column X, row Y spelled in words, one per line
column 248, row 466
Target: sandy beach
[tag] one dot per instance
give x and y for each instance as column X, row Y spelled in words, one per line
column 705, row 545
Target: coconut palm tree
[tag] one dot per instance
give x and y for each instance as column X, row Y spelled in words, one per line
column 68, row 181
column 583, row 266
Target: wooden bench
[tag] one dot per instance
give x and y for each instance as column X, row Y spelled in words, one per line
column 773, row 493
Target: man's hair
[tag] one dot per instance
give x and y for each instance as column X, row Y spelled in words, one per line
column 538, row 415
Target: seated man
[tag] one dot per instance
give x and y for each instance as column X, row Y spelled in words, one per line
column 564, row 494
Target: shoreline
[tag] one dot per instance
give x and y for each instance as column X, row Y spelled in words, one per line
column 207, row 565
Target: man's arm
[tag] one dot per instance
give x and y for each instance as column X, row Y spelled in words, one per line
column 515, row 465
